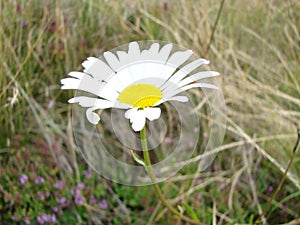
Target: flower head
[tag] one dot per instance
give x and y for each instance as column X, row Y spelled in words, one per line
column 80, row 186
column 41, row 195
column 103, row 204
column 39, row 180
column 27, row 220
column 87, row 174
column 23, row 179
column 138, row 81
column 59, row 185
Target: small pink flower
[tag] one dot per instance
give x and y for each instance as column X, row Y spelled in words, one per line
column 166, row 5
column 80, row 186
column 103, row 204
column 59, row 185
column 27, row 220
column 15, row 217
column 60, row 48
column 93, row 200
column 270, row 190
column 83, row 43
column 19, row 8
column 39, row 180
column 41, row 195
column 23, row 179
column 87, row 174
column 79, row 199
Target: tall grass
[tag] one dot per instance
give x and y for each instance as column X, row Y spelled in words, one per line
column 256, row 47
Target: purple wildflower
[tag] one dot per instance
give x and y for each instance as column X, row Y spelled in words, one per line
column 80, row 186
column 41, row 195
column 93, row 200
column 144, row 202
column 55, row 209
column 52, row 218
column 52, row 27
column 24, row 23
column 40, row 219
column 103, row 204
column 61, row 200
column 72, row 191
column 87, row 174
column 60, row 48
column 75, row 192
column 66, row 203
column 23, row 179
column 283, row 214
column 27, row 220
column 270, row 190
column 45, row 217
column 79, row 199
column 52, row 47
column 166, row 6
column 39, row 180
column 59, row 185
column 15, row 217
column 83, row 43
column 19, row 8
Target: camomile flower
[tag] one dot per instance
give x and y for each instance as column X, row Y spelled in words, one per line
column 137, row 81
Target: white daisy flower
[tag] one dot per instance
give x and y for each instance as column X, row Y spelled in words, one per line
column 136, row 80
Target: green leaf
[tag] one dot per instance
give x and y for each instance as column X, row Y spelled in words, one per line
column 136, row 158
column 251, row 219
column 191, row 212
column 99, row 190
column 180, row 209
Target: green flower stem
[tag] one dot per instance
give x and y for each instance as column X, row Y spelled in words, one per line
column 154, row 182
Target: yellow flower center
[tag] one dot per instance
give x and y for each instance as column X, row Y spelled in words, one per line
column 140, row 95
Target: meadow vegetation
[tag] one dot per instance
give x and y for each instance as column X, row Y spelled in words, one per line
column 256, row 48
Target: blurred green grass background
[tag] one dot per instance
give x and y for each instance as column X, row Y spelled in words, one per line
column 256, row 47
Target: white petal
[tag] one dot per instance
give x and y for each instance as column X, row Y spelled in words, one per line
column 173, row 63
column 127, row 113
column 69, row 83
column 174, row 98
column 97, row 68
column 153, row 69
column 138, row 120
column 190, row 86
column 124, row 77
column 131, row 114
column 78, row 75
column 112, row 60
column 123, row 58
column 137, row 71
column 118, row 82
column 84, row 83
column 198, row 76
column 165, row 52
column 91, row 102
column 184, row 71
column 134, row 51
column 120, row 105
column 152, row 113
column 108, row 92
column 150, row 54
column 178, row 58
column 166, row 73
column 92, row 117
